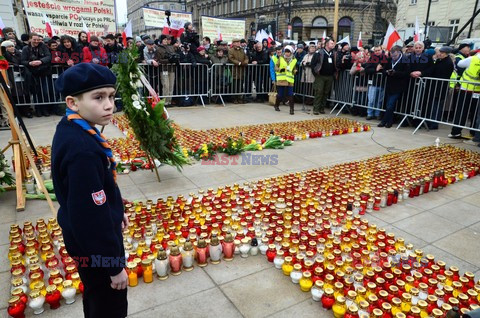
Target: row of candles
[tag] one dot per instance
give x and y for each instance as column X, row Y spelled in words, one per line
column 308, row 223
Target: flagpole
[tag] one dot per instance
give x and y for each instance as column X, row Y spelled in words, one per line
column 428, row 15
column 335, row 19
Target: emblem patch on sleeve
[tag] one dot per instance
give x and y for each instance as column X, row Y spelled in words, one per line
column 99, row 197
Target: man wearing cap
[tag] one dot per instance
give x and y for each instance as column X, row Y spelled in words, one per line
column 37, row 59
column 300, row 54
column 437, row 90
column 409, row 48
column 163, row 56
column 324, row 69
column 91, row 212
column 112, row 48
column 239, row 59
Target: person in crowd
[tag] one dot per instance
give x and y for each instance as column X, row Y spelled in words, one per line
column 112, row 48
column 82, row 39
column 397, row 73
column 37, row 59
column 467, row 100
column 260, row 57
column 152, row 65
column 273, row 60
column 265, row 44
column 138, row 42
column 285, row 69
column 244, row 46
column 374, row 70
column 223, row 75
column 186, row 56
column 71, row 53
column 300, row 54
column 55, row 52
column 344, row 58
column 409, row 48
column 190, row 36
column 307, row 77
column 361, row 83
column 91, row 212
column 164, row 55
column 94, row 53
column 201, row 72
column 20, row 91
column 142, row 46
column 9, row 34
column 25, row 39
column 438, row 91
column 463, row 53
column 324, row 69
column 209, row 48
column 239, row 59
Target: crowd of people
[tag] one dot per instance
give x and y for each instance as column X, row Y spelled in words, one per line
column 315, row 66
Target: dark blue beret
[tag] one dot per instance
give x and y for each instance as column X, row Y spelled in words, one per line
column 84, row 77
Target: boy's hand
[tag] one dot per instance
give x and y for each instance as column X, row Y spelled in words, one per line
column 119, row 281
column 125, row 222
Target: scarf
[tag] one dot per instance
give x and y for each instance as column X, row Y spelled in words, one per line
column 99, row 137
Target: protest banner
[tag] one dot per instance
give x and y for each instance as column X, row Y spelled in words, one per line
column 156, row 18
column 66, row 18
column 227, row 29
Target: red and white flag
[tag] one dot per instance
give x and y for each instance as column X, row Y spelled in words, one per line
column 416, row 36
column 86, row 30
column 127, row 33
column 270, row 40
column 391, row 37
column 219, row 35
column 49, row 26
column 324, row 35
column 2, row 26
column 175, row 29
column 359, row 42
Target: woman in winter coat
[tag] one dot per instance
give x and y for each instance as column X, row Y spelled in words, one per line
column 360, row 83
column 223, row 75
column 306, row 76
column 94, row 53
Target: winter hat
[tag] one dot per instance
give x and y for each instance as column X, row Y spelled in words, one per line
column 7, row 43
column 463, row 45
column 200, row 48
column 138, row 39
column 288, row 48
column 84, row 77
column 186, row 25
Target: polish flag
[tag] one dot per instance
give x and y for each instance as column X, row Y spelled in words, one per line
column 2, row 26
column 324, row 35
column 127, row 33
column 49, row 26
column 270, row 39
column 416, row 36
column 219, row 34
column 85, row 29
column 359, row 42
column 175, row 29
column 391, row 37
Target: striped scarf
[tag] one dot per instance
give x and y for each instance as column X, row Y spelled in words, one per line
column 77, row 119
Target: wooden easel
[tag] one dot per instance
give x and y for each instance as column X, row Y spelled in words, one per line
column 20, row 149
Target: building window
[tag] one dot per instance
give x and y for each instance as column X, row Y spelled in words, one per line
column 262, row 3
column 183, row 7
column 413, row 2
column 214, row 10
column 239, row 6
column 431, row 23
column 246, row 4
column 254, row 4
column 410, row 25
column 161, row 7
column 172, row 7
column 225, row 8
column 454, row 27
column 232, row 6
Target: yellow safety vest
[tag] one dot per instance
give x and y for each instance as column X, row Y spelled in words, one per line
column 472, row 74
column 454, row 75
column 288, row 74
column 274, row 59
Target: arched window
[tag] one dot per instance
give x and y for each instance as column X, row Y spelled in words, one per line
column 345, row 25
column 297, row 28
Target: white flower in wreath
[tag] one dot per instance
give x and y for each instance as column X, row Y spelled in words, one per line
column 137, row 104
column 139, row 84
column 135, row 97
column 2, row 174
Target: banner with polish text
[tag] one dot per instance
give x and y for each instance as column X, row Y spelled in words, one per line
column 66, row 16
column 156, row 18
column 224, row 29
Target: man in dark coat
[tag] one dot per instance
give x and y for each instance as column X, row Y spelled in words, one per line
column 260, row 72
column 112, row 48
column 36, row 58
column 397, row 73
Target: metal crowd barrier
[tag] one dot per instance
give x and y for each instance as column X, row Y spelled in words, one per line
column 234, row 80
column 182, row 81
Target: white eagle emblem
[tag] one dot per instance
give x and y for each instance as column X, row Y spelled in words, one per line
column 99, row 197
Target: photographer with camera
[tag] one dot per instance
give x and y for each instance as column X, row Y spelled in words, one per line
column 190, row 36
column 167, row 59
column 344, row 60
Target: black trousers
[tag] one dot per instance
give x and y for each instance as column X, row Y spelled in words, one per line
column 99, row 299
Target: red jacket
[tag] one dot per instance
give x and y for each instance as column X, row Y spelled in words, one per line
column 88, row 56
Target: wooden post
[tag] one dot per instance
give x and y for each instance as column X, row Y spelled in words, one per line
column 335, row 20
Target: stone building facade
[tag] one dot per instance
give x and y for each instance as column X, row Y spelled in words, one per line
column 308, row 19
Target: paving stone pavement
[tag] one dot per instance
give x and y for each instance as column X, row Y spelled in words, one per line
column 435, row 222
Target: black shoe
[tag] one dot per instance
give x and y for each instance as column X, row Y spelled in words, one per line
column 29, row 115
column 322, row 112
column 388, row 126
column 291, row 112
column 277, row 108
column 316, row 113
column 381, row 125
column 369, row 118
column 45, row 113
column 38, row 113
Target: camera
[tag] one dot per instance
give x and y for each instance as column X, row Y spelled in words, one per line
column 168, row 13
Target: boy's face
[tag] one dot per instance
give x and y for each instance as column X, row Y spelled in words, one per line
column 95, row 106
